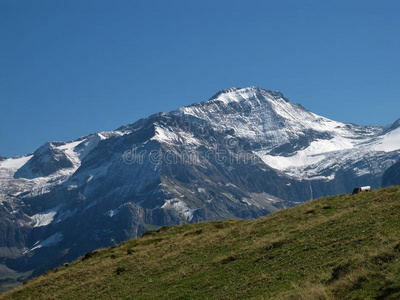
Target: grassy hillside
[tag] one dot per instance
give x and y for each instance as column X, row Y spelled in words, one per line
column 344, row 247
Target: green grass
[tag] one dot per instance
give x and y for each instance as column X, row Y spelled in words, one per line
column 343, row 247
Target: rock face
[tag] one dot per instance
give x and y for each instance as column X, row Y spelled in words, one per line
column 242, row 154
column 392, row 175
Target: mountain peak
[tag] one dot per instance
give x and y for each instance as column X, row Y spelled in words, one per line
column 396, row 123
column 45, row 161
column 394, row 126
column 235, row 94
column 47, row 146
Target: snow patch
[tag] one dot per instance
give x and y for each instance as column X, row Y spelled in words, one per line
column 15, row 163
column 250, row 201
column 189, row 139
column 69, row 150
column 51, row 241
column 111, row 213
column 46, row 217
column 180, row 207
column 389, row 142
column 165, row 135
column 313, row 154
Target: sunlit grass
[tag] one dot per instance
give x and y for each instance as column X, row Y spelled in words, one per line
column 343, row 247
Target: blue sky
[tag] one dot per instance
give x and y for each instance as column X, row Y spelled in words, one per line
column 70, row 68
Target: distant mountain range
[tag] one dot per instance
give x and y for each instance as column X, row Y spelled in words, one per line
column 244, row 153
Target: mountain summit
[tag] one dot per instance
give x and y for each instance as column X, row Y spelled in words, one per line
column 244, row 153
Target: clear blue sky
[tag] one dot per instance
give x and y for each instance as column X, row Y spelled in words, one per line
column 69, row 68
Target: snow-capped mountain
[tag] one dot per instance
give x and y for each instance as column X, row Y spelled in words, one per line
column 294, row 140
column 242, row 154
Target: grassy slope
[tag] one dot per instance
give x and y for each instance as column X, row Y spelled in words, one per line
column 333, row 248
